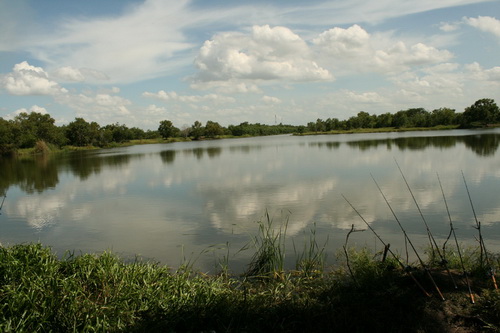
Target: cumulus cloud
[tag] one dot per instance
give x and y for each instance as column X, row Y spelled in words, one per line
column 173, row 96
column 449, row 27
column 476, row 72
column 271, row 100
column 354, row 48
column 26, row 79
column 69, row 73
column 263, row 54
column 97, row 106
column 34, row 108
column 485, row 23
column 344, row 42
column 231, row 86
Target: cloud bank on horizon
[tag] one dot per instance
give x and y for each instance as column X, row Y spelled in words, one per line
column 140, row 62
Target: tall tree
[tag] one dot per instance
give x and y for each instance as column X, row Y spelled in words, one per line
column 79, row 132
column 213, row 129
column 167, row 129
column 482, row 112
column 197, row 130
column 32, row 127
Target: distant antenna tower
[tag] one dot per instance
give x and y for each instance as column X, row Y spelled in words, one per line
column 275, row 120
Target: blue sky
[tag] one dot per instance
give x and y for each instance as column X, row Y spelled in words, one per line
column 139, row 62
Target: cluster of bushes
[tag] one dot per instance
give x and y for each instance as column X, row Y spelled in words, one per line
column 25, row 130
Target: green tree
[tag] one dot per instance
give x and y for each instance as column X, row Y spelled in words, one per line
column 197, row 130
column 120, row 133
column 384, row 120
column 482, row 112
column 167, row 129
column 400, row 119
column 213, row 129
column 332, row 124
column 6, row 136
column 443, row 116
column 80, row 133
column 32, row 127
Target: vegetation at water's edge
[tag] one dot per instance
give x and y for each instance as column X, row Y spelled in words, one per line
column 39, row 134
column 88, row 293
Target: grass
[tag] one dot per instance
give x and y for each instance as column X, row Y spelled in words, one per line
column 40, row 292
column 384, row 130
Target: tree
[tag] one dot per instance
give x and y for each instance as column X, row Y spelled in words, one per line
column 33, row 127
column 197, row 130
column 79, row 132
column 384, row 120
column 167, row 129
column 482, row 112
column 213, row 129
column 443, row 116
column 6, row 136
column 120, row 133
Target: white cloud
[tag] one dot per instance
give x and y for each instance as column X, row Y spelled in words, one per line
column 231, row 86
column 173, row 96
column 485, row 23
column 30, row 80
column 34, row 108
column 139, row 43
column 154, row 110
column 417, row 54
column 489, row 76
column 345, row 50
column 100, row 107
column 271, row 100
column 69, row 73
column 344, row 42
column 264, row 54
column 449, row 27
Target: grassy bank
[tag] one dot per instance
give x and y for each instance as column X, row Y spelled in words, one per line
column 384, row 130
column 43, row 148
column 40, row 292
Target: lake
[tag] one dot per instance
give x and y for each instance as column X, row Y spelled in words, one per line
column 199, row 202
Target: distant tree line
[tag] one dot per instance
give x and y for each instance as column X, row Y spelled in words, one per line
column 482, row 113
column 28, row 130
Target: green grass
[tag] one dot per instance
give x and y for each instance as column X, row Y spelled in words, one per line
column 40, row 292
column 384, row 129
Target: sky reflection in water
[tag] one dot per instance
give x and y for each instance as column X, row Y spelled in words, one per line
column 173, row 202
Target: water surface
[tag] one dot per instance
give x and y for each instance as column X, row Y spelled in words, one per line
column 198, row 200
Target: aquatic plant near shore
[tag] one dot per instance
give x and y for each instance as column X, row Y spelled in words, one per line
column 269, row 258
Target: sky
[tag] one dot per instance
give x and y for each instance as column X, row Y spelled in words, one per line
column 137, row 62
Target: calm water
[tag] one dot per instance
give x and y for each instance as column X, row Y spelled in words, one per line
column 200, row 201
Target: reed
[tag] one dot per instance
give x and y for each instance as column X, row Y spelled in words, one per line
column 41, row 292
column 102, row 293
column 311, row 260
column 269, row 257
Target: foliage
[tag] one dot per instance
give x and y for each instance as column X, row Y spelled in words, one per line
column 81, row 133
column 197, row 130
column 167, row 129
column 42, row 293
column 269, row 258
column 482, row 112
column 213, row 129
column 25, row 130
